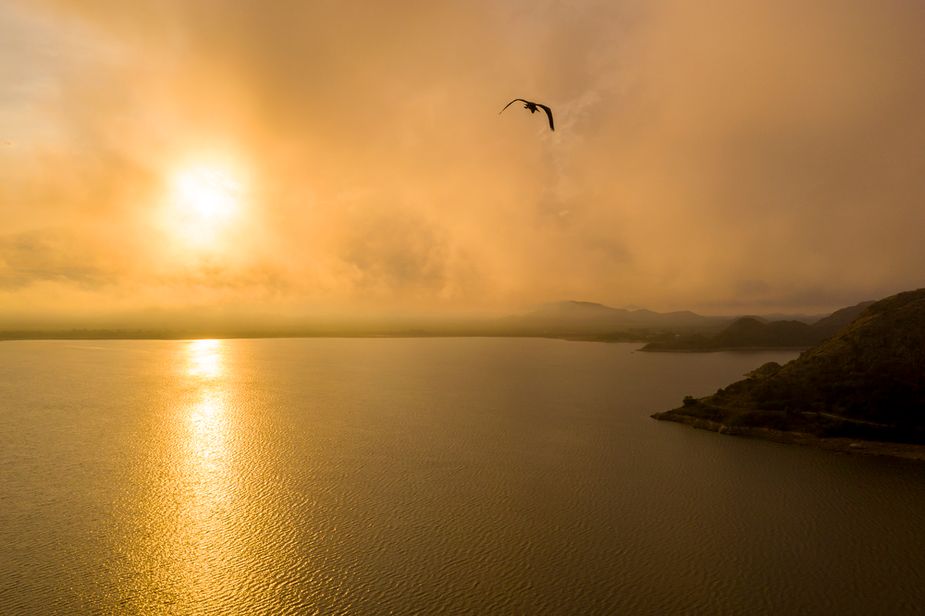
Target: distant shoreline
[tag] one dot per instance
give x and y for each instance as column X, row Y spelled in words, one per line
column 9, row 336
column 76, row 336
column 839, row 444
column 753, row 349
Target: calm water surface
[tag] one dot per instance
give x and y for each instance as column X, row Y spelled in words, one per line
column 424, row 476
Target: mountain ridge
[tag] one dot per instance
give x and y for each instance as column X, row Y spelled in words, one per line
column 756, row 332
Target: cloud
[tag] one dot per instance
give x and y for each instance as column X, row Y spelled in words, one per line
column 30, row 258
column 393, row 251
column 716, row 156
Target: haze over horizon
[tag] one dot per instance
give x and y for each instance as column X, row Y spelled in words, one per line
column 240, row 160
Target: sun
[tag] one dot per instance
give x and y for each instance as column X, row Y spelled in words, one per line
column 204, row 201
column 206, row 193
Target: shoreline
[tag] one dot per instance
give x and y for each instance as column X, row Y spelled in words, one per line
column 902, row 451
column 747, row 349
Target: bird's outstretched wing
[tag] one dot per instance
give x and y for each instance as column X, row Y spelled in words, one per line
column 548, row 114
column 511, row 103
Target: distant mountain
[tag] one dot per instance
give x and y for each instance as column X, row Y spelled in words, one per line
column 867, row 382
column 755, row 332
column 789, row 316
column 591, row 319
column 831, row 324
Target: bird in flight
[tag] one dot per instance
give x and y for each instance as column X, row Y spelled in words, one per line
column 533, row 107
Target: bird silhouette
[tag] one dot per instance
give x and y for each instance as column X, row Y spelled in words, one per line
column 533, row 107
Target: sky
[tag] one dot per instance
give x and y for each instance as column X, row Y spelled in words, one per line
column 289, row 159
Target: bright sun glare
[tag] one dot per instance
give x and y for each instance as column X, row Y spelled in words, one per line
column 204, row 199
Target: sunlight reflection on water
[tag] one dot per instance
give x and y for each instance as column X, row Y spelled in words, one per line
column 205, row 359
column 206, row 513
column 206, row 439
column 185, row 529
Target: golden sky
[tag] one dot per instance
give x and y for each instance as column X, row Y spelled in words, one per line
column 326, row 157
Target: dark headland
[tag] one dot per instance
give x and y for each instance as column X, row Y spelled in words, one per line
column 860, row 391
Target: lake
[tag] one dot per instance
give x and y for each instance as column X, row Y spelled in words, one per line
column 371, row 476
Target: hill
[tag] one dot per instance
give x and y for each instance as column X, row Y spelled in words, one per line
column 589, row 319
column 755, row 332
column 866, row 383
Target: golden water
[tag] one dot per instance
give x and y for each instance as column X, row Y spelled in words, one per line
column 424, row 476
